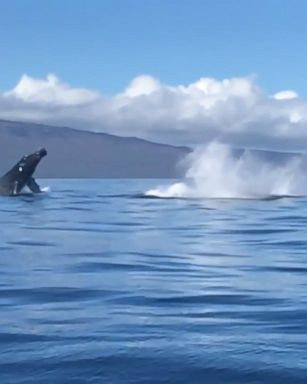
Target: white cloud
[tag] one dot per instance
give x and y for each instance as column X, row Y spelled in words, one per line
column 142, row 85
column 285, row 95
column 50, row 91
column 233, row 110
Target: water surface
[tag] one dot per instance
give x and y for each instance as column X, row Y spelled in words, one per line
column 99, row 285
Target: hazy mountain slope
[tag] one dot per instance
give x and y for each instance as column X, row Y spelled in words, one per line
column 74, row 153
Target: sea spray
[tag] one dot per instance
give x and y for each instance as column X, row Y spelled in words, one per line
column 215, row 171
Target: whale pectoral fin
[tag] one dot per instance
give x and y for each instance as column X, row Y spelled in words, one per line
column 32, row 184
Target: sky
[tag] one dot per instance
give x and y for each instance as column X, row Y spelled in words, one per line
column 178, row 71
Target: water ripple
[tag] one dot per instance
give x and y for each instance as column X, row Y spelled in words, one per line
column 101, row 285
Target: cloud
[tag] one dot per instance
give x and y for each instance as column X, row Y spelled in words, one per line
column 234, row 111
column 285, row 95
column 141, row 85
column 50, row 91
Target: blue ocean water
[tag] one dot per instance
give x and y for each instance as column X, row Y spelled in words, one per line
column 100, row 285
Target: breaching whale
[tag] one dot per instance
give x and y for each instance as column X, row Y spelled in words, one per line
column 21, row 175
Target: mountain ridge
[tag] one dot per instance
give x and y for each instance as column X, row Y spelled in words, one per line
column 74, row 153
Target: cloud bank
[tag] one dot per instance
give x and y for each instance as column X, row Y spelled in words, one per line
column 235, row 111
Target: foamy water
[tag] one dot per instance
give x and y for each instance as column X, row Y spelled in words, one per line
column 46, row 189
column 215, row 172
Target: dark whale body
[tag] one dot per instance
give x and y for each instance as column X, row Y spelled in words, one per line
column 21, row 175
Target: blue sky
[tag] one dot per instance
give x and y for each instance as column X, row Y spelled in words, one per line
column 103, row 44
column 175, row 71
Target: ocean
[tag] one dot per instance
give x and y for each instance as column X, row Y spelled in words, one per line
column 101, row 284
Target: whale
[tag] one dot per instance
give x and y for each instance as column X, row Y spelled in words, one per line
column 21, row 175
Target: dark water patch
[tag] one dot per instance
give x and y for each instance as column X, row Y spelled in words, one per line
column 219, row 255
column 73, row 208
column 48, row 294
column 6, row 248
column 60, row 322
column 2, row 210
column 258, row 231
column 288, row 218
column 278, row 197
column 125, row 224
column 90, row 201
column 23, row 338
column 69, row 229
column 135, row 368
column 281, row 269
column 219, row 299
column 268, row 315
column 99, row 255
column 267, row 198
column 288, row 244
column 201, row 299
column 148, row 269
column 114, row 196
column 86, row 267
column 155, row 197
column 154, row 256
column 33, row 243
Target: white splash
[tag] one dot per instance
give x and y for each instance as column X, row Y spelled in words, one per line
column 46, row 189
column 215, row 172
